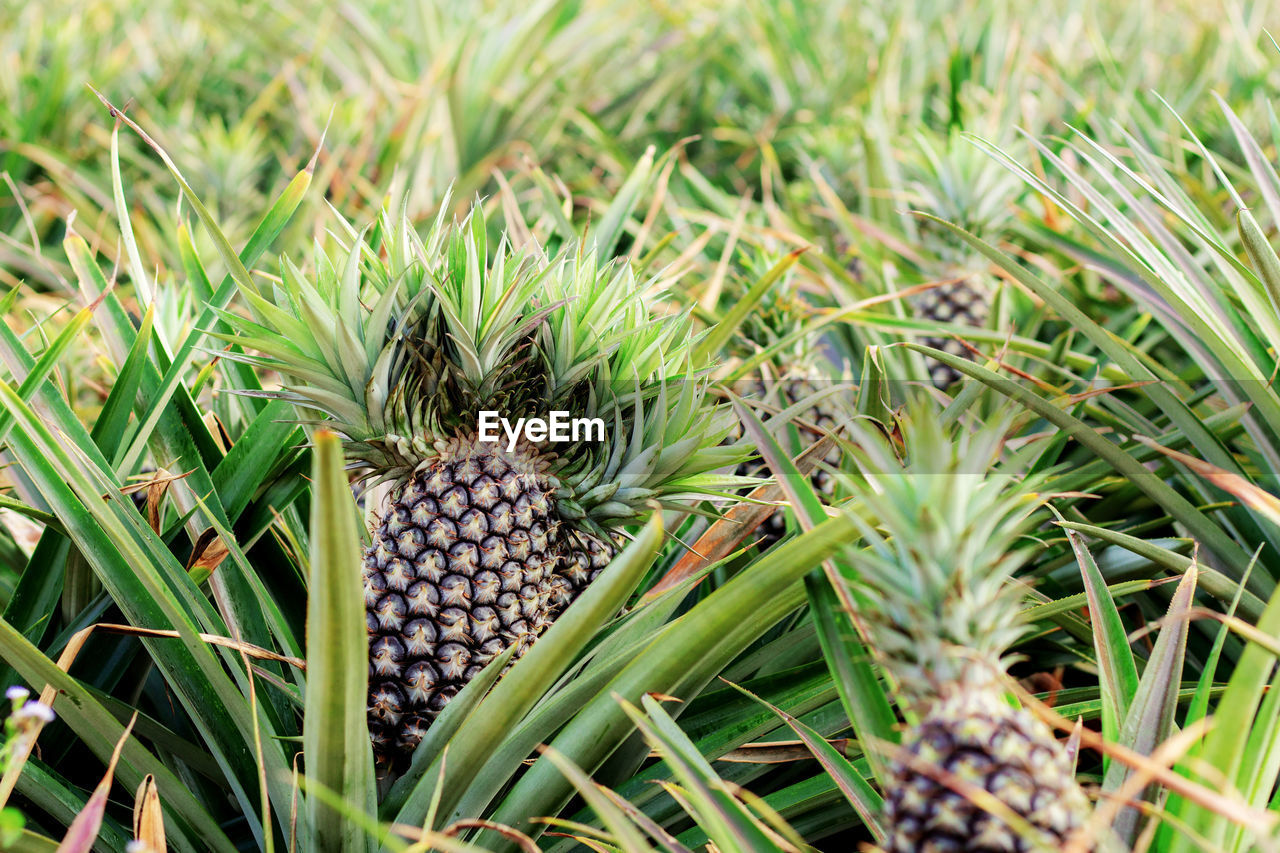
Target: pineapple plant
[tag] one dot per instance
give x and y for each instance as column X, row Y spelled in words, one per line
column 942, row 612
column 796, row 377
column 957, row 182
column 476, row 545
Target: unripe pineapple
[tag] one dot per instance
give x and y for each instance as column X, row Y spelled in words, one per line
column 947, row 536
column 478, row 545
column 812, row 423
column 958, row 182
column 795, row 379
column 461, row 566
column 962, row 301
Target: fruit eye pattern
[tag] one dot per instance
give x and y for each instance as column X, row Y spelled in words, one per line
column 488, row 573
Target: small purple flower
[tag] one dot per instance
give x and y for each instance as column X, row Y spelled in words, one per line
column 34, row 711
column 17, row 693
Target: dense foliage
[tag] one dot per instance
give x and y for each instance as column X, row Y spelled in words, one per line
column 929, row 258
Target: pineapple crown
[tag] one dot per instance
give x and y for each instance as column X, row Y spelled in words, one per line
column 780, row 312
column 398, row 340
column 957, row 181
column 944, row 531
column 775, row 329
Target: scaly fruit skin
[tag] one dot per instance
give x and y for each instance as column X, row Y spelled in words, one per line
column 978, row 738
column 583, row 558
column 784, row 393
column 966, row 301
column 800, row 366
column 958, row 183
column 460, row 568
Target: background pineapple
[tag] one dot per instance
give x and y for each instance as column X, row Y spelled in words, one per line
column 937, row 570
column 799, row 376
column 957, row 181
column 964, row 300
column 476, row 546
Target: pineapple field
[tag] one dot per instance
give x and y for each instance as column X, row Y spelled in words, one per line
column 741, row 426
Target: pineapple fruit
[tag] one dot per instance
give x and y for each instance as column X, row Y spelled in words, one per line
column 964, row 300
column 942, row 612
column 793, row 389
column 399, row 343
column 957, row 181
column 795, row 378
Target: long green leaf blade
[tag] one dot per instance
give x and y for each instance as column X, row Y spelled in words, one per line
column 335, row 734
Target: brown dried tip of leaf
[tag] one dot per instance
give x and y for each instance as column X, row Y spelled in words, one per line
column 1048, row 683
column 584, row 841
column 208, row 553
column 78, row 640
column 726, row 534
column 453, row 830
column 781, row 752
column 1249, row 494
column 664, row 697
column 156, row 486
column 158, row 479
column 148, row 818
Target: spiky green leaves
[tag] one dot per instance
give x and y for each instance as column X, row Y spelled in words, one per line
column 947, row 534
column 401, row 339
column 954, row 179
column 663, row 445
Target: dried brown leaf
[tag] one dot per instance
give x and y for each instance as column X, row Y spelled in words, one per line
column 148, row 817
